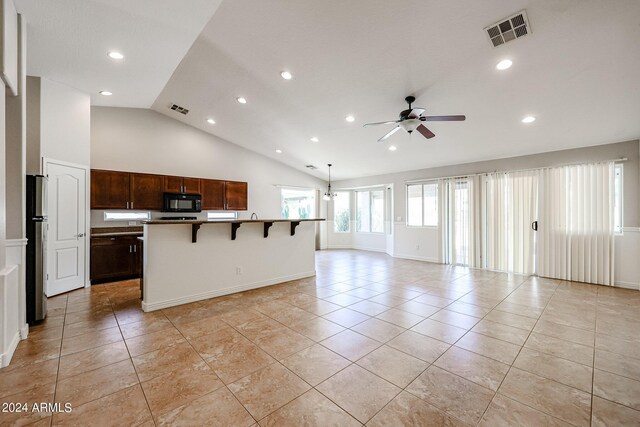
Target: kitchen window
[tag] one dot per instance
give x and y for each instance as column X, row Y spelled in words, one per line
column 422, row 205
column 342, row 212
column 126, row 216
column 298, row 203
column 370, row 211
column 213, row 216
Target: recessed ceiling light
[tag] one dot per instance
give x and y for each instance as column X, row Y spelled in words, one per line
column 286, row 75
column 241, row 100
column 279, row 151
column 504, row 64
column 350, row 119
column 105, row 93
column 528, row 119
column 115, row 55
column 211, row 121
column 392, row 148
column 314, row 139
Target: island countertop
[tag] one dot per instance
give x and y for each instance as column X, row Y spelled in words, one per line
column 226, row 221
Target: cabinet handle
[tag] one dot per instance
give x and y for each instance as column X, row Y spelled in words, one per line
column 130, row 250
column 131, row 205
column 127, row 205
column 135, row 249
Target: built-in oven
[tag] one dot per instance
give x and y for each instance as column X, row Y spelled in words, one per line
column 178, row 202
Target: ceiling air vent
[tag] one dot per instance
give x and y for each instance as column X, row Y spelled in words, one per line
column 508, row 29
column 311, row 167
column 179, row 109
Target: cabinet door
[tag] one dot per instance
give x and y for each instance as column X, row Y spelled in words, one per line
column 173, row 184
column 191, row 185
column 146, row 191
column 109, row 189
column 236, row 195
column 111, row 258
column 212, row 194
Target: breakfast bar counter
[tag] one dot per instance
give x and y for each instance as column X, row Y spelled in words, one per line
column 192, row 260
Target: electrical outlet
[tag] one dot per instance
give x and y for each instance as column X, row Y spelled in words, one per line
column 238, row 271
column 417, row 247
column 132, row 223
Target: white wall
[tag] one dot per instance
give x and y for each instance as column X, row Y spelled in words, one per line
column 209, row 267
column 12, row 132
column 142, row 140
column 423, row 243
column 58, row 124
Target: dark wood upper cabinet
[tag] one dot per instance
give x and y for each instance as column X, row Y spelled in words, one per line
column 191, row 185
column 172, row 184
column 179, row 184
column 109, row 189
column 146, row 191
column 128, row 190
column 212, row 194
column 236, row 195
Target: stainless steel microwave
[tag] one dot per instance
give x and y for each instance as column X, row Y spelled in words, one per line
column 178, row 202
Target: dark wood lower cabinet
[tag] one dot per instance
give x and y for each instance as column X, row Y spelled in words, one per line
column 115, row 258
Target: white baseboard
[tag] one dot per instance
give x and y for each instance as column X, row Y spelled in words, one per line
column 364, row 248
column 24, row 331
column 224, row 291
column 418, row 258
column 340, row 247
column 627, row 285
column 5, row 358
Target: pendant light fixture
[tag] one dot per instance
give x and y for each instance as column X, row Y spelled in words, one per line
column 329, row 195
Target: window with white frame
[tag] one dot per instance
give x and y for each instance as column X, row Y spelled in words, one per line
column 298, row 203
column 126, row 216
column 370, row 211
column 342, row 212
column 221, row 216
column 422, row 204
column 617, row 199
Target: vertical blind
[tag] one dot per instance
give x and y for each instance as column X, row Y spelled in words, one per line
column 492, row 216
column 576, row 233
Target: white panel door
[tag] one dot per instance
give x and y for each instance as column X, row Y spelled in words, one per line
column 67, row 221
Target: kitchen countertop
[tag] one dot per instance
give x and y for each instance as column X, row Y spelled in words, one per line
column 122, row 233
column 116, row 231
column 231, row 221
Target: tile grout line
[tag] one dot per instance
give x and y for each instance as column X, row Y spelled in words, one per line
column 55, row 390
column 511, row 365
column 134, row 369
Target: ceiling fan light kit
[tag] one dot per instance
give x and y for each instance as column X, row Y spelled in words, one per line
column 329, row 195
column 411, row 120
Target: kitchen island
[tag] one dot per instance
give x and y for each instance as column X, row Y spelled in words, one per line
column 187, row 261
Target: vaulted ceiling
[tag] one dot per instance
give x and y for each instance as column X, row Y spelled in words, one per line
column 576, row 73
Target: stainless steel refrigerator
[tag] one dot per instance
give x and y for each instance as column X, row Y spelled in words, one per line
column 36, row 262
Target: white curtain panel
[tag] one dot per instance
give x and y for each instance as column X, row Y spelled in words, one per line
column 496, row 219
column 576, row 239
column 521, row 200
column 460, row 219
column 510, row 208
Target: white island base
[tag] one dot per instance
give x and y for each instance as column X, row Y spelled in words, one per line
column 178, row 271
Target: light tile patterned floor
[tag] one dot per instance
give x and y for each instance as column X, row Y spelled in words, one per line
column 370, row 340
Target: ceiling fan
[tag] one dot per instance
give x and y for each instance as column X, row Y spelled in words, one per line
column 411, row 119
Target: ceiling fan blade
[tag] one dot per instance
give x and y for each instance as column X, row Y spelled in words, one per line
column 442, row 118
column 379, row 123
column 415, row 113
column 425, row 132
column 391, row 132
